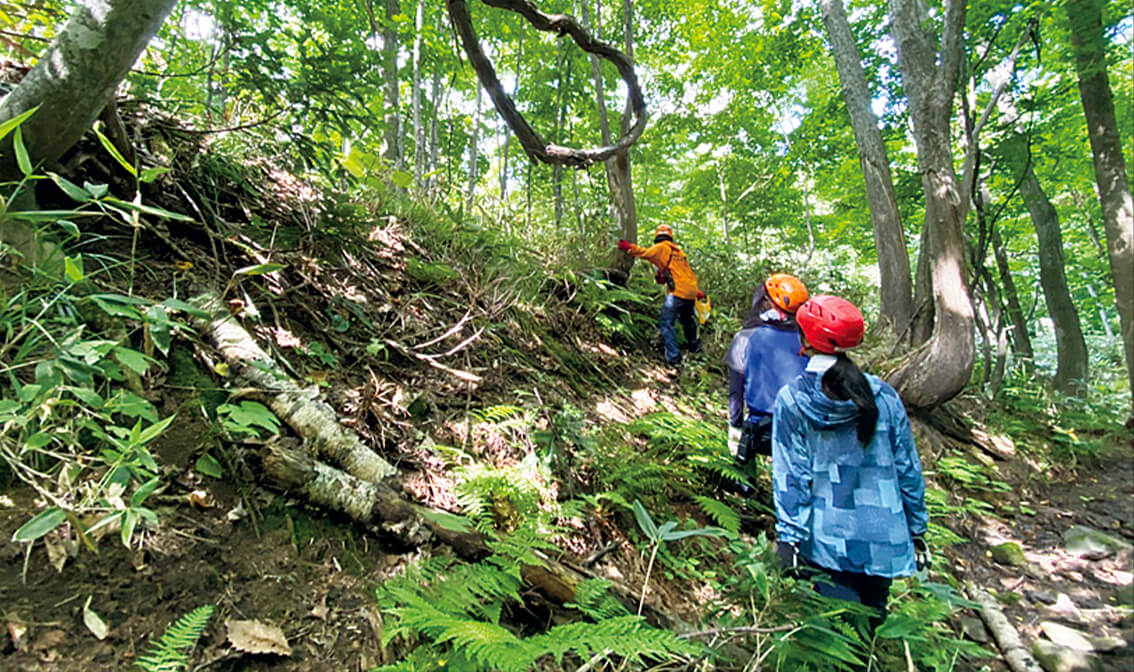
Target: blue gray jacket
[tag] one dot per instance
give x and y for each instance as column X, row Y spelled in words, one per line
column 847, row 508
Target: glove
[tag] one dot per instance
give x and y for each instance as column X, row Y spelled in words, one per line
column 788, row 555
column 624, row 245
column 733, row 439
column 700, row 295
column 921, row 553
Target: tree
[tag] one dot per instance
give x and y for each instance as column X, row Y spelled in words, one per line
column 73, row 80
column 930, row 65
column 1085, row 19
column 393, row 133
column 893, row 258
column 1071, row 372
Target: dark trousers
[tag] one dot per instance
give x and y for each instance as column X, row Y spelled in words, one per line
column 675, row 309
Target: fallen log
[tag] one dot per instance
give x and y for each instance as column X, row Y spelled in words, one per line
column 301, row 408
column 1007, row 639
column 378, row 507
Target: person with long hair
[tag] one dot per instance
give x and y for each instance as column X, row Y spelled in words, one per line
column 847, row 481
column 763, row 357
column 673, row 271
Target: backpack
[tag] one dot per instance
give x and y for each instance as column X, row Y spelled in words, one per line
column 663, row 276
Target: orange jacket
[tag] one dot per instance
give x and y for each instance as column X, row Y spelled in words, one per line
column 666, row 252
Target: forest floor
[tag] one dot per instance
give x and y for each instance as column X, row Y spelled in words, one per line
column 314, row 574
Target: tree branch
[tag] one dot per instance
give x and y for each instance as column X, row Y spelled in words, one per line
column 533, row 143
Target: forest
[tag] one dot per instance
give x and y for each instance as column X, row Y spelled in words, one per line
column 332, row 338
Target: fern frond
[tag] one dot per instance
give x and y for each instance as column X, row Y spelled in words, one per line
column 720, row 513
column 168, row 654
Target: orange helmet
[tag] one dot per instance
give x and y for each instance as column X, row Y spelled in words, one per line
column 663, row 230
column 786, row 291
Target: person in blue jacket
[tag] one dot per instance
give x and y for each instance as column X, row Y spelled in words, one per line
column 847, row 481
column 764, row 356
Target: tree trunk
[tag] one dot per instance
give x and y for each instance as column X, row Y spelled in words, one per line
column 474, row 151
column 1110, row 168
column 560, row 115
column 435, row 130
column 393, row 131
column 418, row 128
column 889, row 238
column 941, row 368
column 1021, row 339
column 1071, row 373
column 77, row 75
column 620, row 163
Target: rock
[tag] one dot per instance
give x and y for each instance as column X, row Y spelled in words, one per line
column 974, row 629
column 1040, row 595
column 1055, row 658
column 1092, row 544
column 1065, row 636
column 1106, row 644
column 1009, row 553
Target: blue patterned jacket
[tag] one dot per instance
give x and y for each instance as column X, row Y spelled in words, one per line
column 847, row 508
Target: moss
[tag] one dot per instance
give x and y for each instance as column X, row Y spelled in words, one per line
column 1009, row 553
column 186, row 374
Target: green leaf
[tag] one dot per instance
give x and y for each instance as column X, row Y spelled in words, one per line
column 113, row 151
column 151, row 432
column 699, row 532
column 70, row 227
column 402, row 178
column 73, row 268
column 449, row 521
column 22, row 158
column 187, row 308
column 151, row 174
column 88, row 397
column 37, row 440
column 645, row 522
column 208, row 465
column 132, row 359
column 43, row 523
column 144, row 491
column 96, row 190
column 149, row 209
column 258, row 269
column 129, row 522
column 70, row 188
column 14, row 123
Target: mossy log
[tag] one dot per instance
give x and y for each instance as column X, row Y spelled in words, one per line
column 310, row 417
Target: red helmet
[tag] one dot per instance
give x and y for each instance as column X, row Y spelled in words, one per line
column 830, row 324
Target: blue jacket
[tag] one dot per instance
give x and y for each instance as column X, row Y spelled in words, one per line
column 773, row 360
column 847, row 508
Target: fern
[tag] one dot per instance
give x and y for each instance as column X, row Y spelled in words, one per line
column 720, row 513
column 169, row 653
column 593, row 599
column 455, row 611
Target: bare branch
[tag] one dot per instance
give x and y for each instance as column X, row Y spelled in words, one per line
column 533, row 143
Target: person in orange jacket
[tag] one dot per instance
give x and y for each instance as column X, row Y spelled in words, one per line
column 673, row 271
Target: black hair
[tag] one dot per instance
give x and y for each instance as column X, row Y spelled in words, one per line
column 845, row 381
column 761, row 303
column 660, row 237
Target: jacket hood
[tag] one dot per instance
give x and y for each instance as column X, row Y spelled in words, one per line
column 824, row 411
